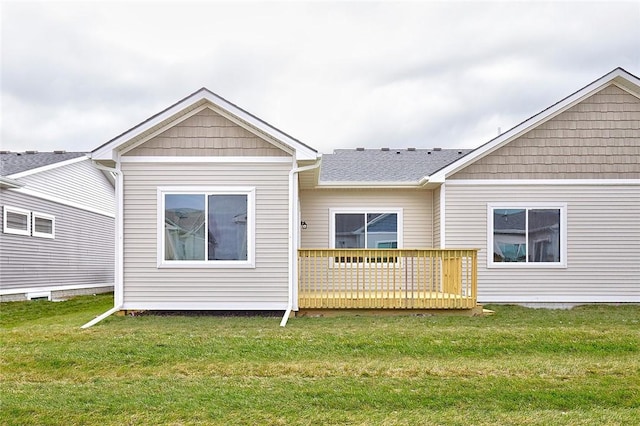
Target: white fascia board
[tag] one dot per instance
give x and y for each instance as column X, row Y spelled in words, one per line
column 48, row 167
column 545, row 182
column 527, row 125
column 178, row 159
column 9, row 183
column 367, row 184
column 303, row 152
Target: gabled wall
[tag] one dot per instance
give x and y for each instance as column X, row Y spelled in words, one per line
column 595, row 139
column 207, row 133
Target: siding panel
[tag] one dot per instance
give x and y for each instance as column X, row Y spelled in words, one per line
column 79, row 255
column 80, row 183
column 603, row 249
column 144, row 282
column 416, row 204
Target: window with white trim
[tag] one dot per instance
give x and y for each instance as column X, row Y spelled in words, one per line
column 16, row 221
column 206, row 227
column 365, row 229
column 43, row 225
column 530, row 235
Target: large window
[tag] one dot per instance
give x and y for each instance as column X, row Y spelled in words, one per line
column 532, row 235
column 210, row 227
column 366, row 229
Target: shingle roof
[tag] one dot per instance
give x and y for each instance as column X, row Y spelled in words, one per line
column 393, row 165
column 16, row 162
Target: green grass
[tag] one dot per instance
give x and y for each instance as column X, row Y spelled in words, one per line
column 520, row 367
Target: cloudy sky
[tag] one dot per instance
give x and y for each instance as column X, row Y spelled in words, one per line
column 332, row 74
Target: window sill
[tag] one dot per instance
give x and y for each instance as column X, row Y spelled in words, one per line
column 197, row 264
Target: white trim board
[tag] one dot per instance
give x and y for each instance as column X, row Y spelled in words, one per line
column 62, row 201
column 206, row 306
column 546, row 182
column 6, row 291
column 230, row 159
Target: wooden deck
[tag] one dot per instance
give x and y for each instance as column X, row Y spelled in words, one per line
column 387, row 279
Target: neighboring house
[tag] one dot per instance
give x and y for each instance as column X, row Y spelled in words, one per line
column 58, row 228
column 219, row 210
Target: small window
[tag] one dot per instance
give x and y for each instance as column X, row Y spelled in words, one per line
column 527, row 235
column 16, row 221
column 208, row 228
column 43, row 225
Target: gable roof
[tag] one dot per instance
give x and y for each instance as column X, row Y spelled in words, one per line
column 386, row 166
column 621, row 78
column 195, row 100
column 18, row 163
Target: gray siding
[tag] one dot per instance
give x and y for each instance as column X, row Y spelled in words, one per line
column 436, row 217
column 148, row 287
column 207, row 133
column 82, row 253
column 416, row 205
column 603, row 248
column 599, row 138
column 79, row 183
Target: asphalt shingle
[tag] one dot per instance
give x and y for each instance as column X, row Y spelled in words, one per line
column 393, row 165
column 17, row 162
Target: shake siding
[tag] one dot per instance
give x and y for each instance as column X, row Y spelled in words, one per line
column 144, row 282
column 207, row 133
column 602, row 252
column 595, row 139
column 79, row 183
column 82, row 252
column 416, row 205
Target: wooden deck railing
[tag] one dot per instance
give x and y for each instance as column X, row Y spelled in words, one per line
column 387, row 279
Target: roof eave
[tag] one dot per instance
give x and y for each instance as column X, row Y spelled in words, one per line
column 367, row 184
column 6, row 182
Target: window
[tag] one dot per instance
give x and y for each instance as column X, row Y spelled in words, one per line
column 211, row 227
column 374, row 229
column 16, row 221
column 43, row 225
column 531, row 235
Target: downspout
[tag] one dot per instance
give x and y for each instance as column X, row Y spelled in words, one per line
column 293, row 226
column 118, row 300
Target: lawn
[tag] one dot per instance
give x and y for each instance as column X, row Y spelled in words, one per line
column 520, row 366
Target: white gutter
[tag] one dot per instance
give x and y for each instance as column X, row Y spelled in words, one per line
column 118, row 300
column 293, row 227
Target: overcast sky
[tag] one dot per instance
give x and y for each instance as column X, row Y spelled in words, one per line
column 332, row 74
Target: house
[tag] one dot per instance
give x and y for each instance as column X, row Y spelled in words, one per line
column 219, row 210
column 58, row 215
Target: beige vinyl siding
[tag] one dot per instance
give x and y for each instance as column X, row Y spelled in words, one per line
column 436, row 217
column 416, row 205
column 207, row 133
column 81, row 254
column 265, row 286
column 599, row 138
column 79, row 183
column 603, row 249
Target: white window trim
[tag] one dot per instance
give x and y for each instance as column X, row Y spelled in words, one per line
column 250, row 192
column 17, row 210
column 528, row 265
column 346, row 210
column 35, row 233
